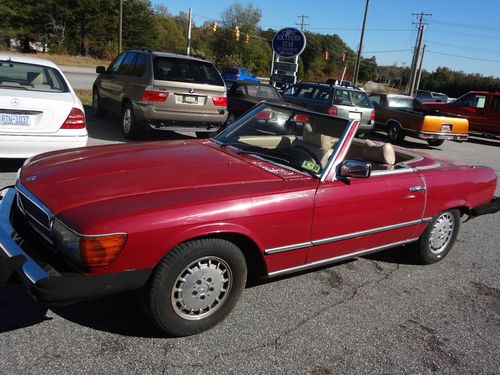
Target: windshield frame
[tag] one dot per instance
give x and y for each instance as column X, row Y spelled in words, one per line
column 222, row 141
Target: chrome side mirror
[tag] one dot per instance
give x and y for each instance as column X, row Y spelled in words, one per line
column 355, row 168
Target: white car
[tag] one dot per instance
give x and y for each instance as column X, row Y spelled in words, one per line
column 39, row 111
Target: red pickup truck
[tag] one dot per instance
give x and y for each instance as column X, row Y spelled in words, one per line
column 481, row 108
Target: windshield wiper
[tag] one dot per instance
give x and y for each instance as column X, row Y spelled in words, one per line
column 262, row 154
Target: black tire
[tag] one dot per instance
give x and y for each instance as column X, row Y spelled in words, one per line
column 197, row 307
column 395, row 133
column 435, row 142
column 97, row 108
column 438, row 238
column 207, row 134
column 130, row 127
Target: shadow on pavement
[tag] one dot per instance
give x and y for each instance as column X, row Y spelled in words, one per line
column 108, row 128
column 484, row 141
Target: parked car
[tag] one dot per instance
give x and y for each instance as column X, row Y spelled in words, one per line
column 244, row 95
column 186, row 221
column 481, row 108
column 242, row 74
column 344, row 102
column 426, row 96
column 162, row 91
column 402, row 115
column 39, row 111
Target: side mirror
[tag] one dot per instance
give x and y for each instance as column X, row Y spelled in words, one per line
column 100, row 70
column 355, row 168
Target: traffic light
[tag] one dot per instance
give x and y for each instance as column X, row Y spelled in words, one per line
column 214, row 26
column 327, row 56
column 247, row 39
column 237, row 33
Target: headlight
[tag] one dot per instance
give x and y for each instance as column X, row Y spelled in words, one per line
column 93, row 250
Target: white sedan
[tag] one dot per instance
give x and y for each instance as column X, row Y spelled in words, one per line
column 39, row 111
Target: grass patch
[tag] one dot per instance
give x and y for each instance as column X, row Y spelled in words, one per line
column 85, row 96
column 64, row 59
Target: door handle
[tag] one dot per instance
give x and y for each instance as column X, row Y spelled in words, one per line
column 418, row 188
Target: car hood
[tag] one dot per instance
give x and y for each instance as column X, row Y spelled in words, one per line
column 71, row 178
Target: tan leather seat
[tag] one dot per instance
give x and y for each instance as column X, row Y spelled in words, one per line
column 381, row 155
column 319, row 145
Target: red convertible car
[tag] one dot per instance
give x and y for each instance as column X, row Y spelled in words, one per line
column 186, row 222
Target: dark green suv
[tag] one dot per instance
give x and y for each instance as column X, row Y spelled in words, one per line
column 162, row 91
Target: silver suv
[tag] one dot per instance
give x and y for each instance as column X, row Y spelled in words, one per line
column 162, row 91
column 340, row 101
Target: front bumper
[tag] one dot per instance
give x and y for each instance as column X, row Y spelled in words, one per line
column 49, row 283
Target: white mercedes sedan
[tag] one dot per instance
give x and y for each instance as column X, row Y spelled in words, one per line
column 39, row 111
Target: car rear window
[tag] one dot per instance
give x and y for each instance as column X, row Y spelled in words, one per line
column 33, row 77
column 400, row 102
column 258, row 91
column 352, row 98
column 182, row 70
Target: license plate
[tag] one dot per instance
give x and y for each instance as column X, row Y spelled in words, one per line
column 191, row 99
column 15, row 119
column 446, row 127
column 355, row 115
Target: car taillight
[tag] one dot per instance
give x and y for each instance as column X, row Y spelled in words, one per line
column 301, row 118
column 75, row 119
column 372, row 116
column 220, row 101
column 266, row 114
column 100, row 251
column 154, row 96
column 332, row 110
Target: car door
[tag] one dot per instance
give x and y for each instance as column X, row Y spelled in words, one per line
column 472, row 106
column 119, row 81
column 106, row 81
column 493, row 116
column 366, row 214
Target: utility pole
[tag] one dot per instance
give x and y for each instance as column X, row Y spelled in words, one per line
column 416, row 52
column 188, row 43
column 358, row 58
column 120, row 33
column 420, row 69
column 302, row 24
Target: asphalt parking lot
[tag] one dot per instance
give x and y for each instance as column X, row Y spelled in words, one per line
column 379, row 314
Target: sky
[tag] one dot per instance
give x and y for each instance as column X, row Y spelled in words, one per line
column 462, row 35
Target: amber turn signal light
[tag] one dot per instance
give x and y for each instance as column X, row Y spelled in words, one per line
column 100, row 251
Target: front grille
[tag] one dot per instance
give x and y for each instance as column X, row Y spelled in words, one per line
column 36, row 215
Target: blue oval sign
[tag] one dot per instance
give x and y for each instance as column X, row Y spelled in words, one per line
column 289, row 42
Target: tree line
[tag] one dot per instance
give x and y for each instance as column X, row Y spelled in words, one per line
column 91, row 28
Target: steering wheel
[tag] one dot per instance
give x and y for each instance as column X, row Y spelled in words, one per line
column 309, row 153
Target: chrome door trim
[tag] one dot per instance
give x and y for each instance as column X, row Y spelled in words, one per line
column 339, row 258
column 342, row 237
column 367, row 232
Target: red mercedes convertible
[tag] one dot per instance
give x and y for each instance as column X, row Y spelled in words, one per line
column 185, row 222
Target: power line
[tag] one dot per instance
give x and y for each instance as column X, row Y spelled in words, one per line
column 354, row 29
column 302, row 24
column 481, row 36
column 475, row 49
column 467, row 26
column 463, row 57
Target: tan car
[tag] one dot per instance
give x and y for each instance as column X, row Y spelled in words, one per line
column 162, row 91
column 402, row 115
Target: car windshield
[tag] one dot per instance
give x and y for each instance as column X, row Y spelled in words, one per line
column 296, row 139
column 260, row 91
column 32, row 77
column 184, row 70
column 400, row 103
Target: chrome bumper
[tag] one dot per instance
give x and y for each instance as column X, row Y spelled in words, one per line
column 9, row 245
